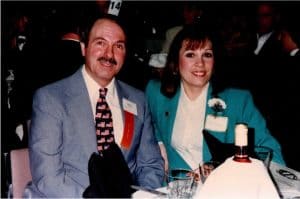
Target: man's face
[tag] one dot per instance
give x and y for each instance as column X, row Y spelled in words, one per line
column 266, row 18
column 105, row 51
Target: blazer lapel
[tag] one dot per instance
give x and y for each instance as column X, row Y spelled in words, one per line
column 169, row 112
column 208, row 110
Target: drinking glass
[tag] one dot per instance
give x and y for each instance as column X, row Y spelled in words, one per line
column 264, row 154
column 181, row 183
column 206, row 168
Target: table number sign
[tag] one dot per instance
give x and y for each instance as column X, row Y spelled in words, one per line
column 114, row 7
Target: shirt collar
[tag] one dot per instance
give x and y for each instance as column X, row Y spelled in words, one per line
column 203, row 94
column 93, row 86
column 264, row 36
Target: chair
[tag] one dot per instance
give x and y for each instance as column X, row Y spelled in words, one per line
column 20, row 171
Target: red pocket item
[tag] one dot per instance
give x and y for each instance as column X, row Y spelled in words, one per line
column 128, row 130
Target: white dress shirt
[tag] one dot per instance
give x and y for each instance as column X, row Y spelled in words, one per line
column 187, row 137
column 112, row 100
column 261, row 41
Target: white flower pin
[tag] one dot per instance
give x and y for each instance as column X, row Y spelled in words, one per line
column 217, row 104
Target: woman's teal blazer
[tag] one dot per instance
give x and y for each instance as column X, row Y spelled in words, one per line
column 239, row 108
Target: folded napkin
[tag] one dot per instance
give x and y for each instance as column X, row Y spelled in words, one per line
column 109, row 175
column 158, row 60
column 234, row 180
column 286, row 179
column 219, row 151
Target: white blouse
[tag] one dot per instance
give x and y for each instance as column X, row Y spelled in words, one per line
column 187, row 137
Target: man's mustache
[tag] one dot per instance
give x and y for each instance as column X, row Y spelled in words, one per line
column 110, row 60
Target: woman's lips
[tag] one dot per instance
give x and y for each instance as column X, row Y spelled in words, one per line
column 199, row 73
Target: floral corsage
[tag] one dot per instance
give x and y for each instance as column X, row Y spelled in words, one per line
column 217, row 105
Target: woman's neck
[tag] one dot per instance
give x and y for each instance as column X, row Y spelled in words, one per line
column 192, row 92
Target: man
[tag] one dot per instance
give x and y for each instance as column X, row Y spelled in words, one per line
column 63, row 133
column 191, row 13
column 271, row 39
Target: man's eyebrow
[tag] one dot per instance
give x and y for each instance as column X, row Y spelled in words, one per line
column 102, row 38
column 121, row 41
column 98, row 38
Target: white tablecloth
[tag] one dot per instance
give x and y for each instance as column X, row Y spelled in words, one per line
column 233, row 180
column 237, row 180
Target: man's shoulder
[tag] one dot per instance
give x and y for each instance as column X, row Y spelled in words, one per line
column 130, row 90
column 128, row 87
column 61, row 85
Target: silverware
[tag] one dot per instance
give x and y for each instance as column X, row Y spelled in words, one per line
column 153, row 191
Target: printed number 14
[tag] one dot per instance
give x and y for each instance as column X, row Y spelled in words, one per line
column 115, row 5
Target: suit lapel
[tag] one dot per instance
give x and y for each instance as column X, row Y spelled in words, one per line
column 79, row 107
column 122, row 94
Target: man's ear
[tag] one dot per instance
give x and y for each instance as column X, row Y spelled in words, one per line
column 82, row 45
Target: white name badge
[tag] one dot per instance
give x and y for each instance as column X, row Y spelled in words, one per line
column 114, row 7
column 129, row 106
column 216, row 123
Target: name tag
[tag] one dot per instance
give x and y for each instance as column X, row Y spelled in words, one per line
column 216, row 123
column 129, row 106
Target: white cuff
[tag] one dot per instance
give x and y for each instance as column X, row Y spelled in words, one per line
column 293, row 52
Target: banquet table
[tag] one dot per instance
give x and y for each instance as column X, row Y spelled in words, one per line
column 286, row 181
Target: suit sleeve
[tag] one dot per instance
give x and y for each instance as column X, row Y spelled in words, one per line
column 151, row 94
column 263, row 136
column 49, row 175
column 150, row 168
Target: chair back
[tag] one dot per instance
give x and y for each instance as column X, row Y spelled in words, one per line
column 20, row 171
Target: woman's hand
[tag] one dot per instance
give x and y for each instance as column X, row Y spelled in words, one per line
column 164, row 155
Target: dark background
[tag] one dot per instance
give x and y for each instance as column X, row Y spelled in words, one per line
column 278, row 93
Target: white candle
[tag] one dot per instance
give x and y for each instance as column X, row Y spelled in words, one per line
column 241, row 135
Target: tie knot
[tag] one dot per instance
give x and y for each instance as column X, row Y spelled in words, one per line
column 103, row 92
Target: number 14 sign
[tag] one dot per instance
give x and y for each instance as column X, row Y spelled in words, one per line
column 114, row 7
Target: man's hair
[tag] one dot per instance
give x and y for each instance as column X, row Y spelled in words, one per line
column 91, row 21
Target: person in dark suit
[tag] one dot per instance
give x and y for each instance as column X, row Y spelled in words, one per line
column 63, row 133
column 270, row 74
column 62, row 49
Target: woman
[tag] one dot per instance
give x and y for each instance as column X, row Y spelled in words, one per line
column 188, row 101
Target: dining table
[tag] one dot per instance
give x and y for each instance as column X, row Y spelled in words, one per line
column 285, row 180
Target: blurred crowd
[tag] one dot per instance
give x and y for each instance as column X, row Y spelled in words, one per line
column 41, row 44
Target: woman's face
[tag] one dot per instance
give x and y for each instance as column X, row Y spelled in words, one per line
column 196, row 63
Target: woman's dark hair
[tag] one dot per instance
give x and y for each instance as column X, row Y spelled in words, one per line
column 196, row 35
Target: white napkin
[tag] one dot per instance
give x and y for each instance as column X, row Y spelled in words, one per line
column 234, row 180
column 20, row 132
column 158, row 60
column 287, row 180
